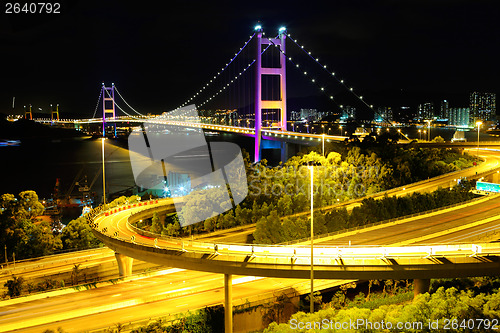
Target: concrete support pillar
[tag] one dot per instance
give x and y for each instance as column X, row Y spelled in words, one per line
column 124, row 264
column 228, row 303
column 284, row 151
column 421, row 286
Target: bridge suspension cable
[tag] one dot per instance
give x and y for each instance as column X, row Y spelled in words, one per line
column 116, row 104
column 189, row 101
column 97, row 104
column 236, row 77
column 123, row 99
column 297, row 65
column 341, row 81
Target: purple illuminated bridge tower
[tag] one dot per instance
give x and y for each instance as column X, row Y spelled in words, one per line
column 108, row 106
column 280, row 103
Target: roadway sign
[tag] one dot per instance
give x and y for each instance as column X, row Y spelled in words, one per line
column 488, row 187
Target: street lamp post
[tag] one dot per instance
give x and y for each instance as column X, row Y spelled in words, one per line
column 340, row 130
column 429, row 129
column 479, row 123
column 103, row 175
column 420, row 134
column 323, row 148
column 311, row 300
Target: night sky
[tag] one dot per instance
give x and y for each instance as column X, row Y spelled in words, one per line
column 158, row 55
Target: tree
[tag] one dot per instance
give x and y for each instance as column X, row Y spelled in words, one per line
column 273, row 312
column 173, row 229
column 18, row 229
column 204, row 204
column 41, row 241
column 157, row 224
column 438, row 139
column 29, row 207
column 78, row 235
column 295, row 228
column 75, row 273
column 370, row 284
column 14, row 286
column 268, row 230
column 242, row 215
column 209, row 224
column 285, row 205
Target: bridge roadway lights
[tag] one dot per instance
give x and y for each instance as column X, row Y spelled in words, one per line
column 124, row 264
column 228, row 303
column 421, row 286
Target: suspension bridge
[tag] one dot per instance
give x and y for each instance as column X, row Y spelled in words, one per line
column 247, row 96
column 263, row 114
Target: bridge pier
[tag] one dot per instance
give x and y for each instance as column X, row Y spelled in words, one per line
column 284, row 152
column 421, row 286
column 124, row 264
column 228, row 303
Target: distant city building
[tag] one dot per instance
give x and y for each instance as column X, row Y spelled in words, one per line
column 310, row 114
column 294, row 115
column 458, row 117
column 348, row 112
column 403, row 114
column 482, row 106
column 444, row 109
column 179, row 184
column 426, row 111
column 226, row 116
column 384, row 113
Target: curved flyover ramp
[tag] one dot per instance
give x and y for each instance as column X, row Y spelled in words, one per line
column 116, row 229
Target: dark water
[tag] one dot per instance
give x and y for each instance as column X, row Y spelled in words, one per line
column 37, row 165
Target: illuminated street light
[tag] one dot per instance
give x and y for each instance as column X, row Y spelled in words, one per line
column 311, row 170
column 479, row 123
column 323, row 147
column 429, row 127
column 311, row 300
column 103, row 175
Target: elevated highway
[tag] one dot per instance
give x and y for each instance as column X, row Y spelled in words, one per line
column 403, row 236
column 116, row 229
